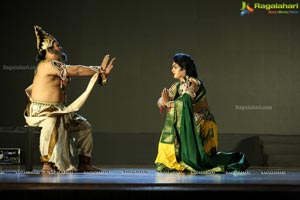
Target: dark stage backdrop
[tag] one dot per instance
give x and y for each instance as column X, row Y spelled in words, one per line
column 249, row 63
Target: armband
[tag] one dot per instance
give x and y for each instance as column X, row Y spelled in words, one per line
column 61, row 67
column 191, row 93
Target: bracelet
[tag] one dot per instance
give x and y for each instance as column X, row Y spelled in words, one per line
column 169, row 104
column 101, row 69
column 95, row 68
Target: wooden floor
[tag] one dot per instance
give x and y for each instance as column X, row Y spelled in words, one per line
column 146, row 183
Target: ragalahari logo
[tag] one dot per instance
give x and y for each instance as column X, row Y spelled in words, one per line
column 246, row 9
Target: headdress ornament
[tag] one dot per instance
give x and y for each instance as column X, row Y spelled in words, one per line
column 43, row 39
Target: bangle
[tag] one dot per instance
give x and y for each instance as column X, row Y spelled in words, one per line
column 169, row 104
column 101, row 69
column 95, row 68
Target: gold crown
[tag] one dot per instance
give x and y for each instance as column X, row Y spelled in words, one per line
column 43, row 39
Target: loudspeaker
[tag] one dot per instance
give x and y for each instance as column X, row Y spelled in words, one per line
column 10, row 155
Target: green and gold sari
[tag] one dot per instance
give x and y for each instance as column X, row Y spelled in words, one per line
column 188, row 141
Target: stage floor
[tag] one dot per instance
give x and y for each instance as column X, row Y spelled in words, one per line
column 145, row 182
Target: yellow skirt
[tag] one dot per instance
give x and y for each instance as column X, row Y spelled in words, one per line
column 166, row 156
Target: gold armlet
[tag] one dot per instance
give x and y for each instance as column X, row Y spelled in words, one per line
column 191, row 93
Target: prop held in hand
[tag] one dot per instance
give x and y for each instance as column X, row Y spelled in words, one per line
column 105, row 70
column 102, row 79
